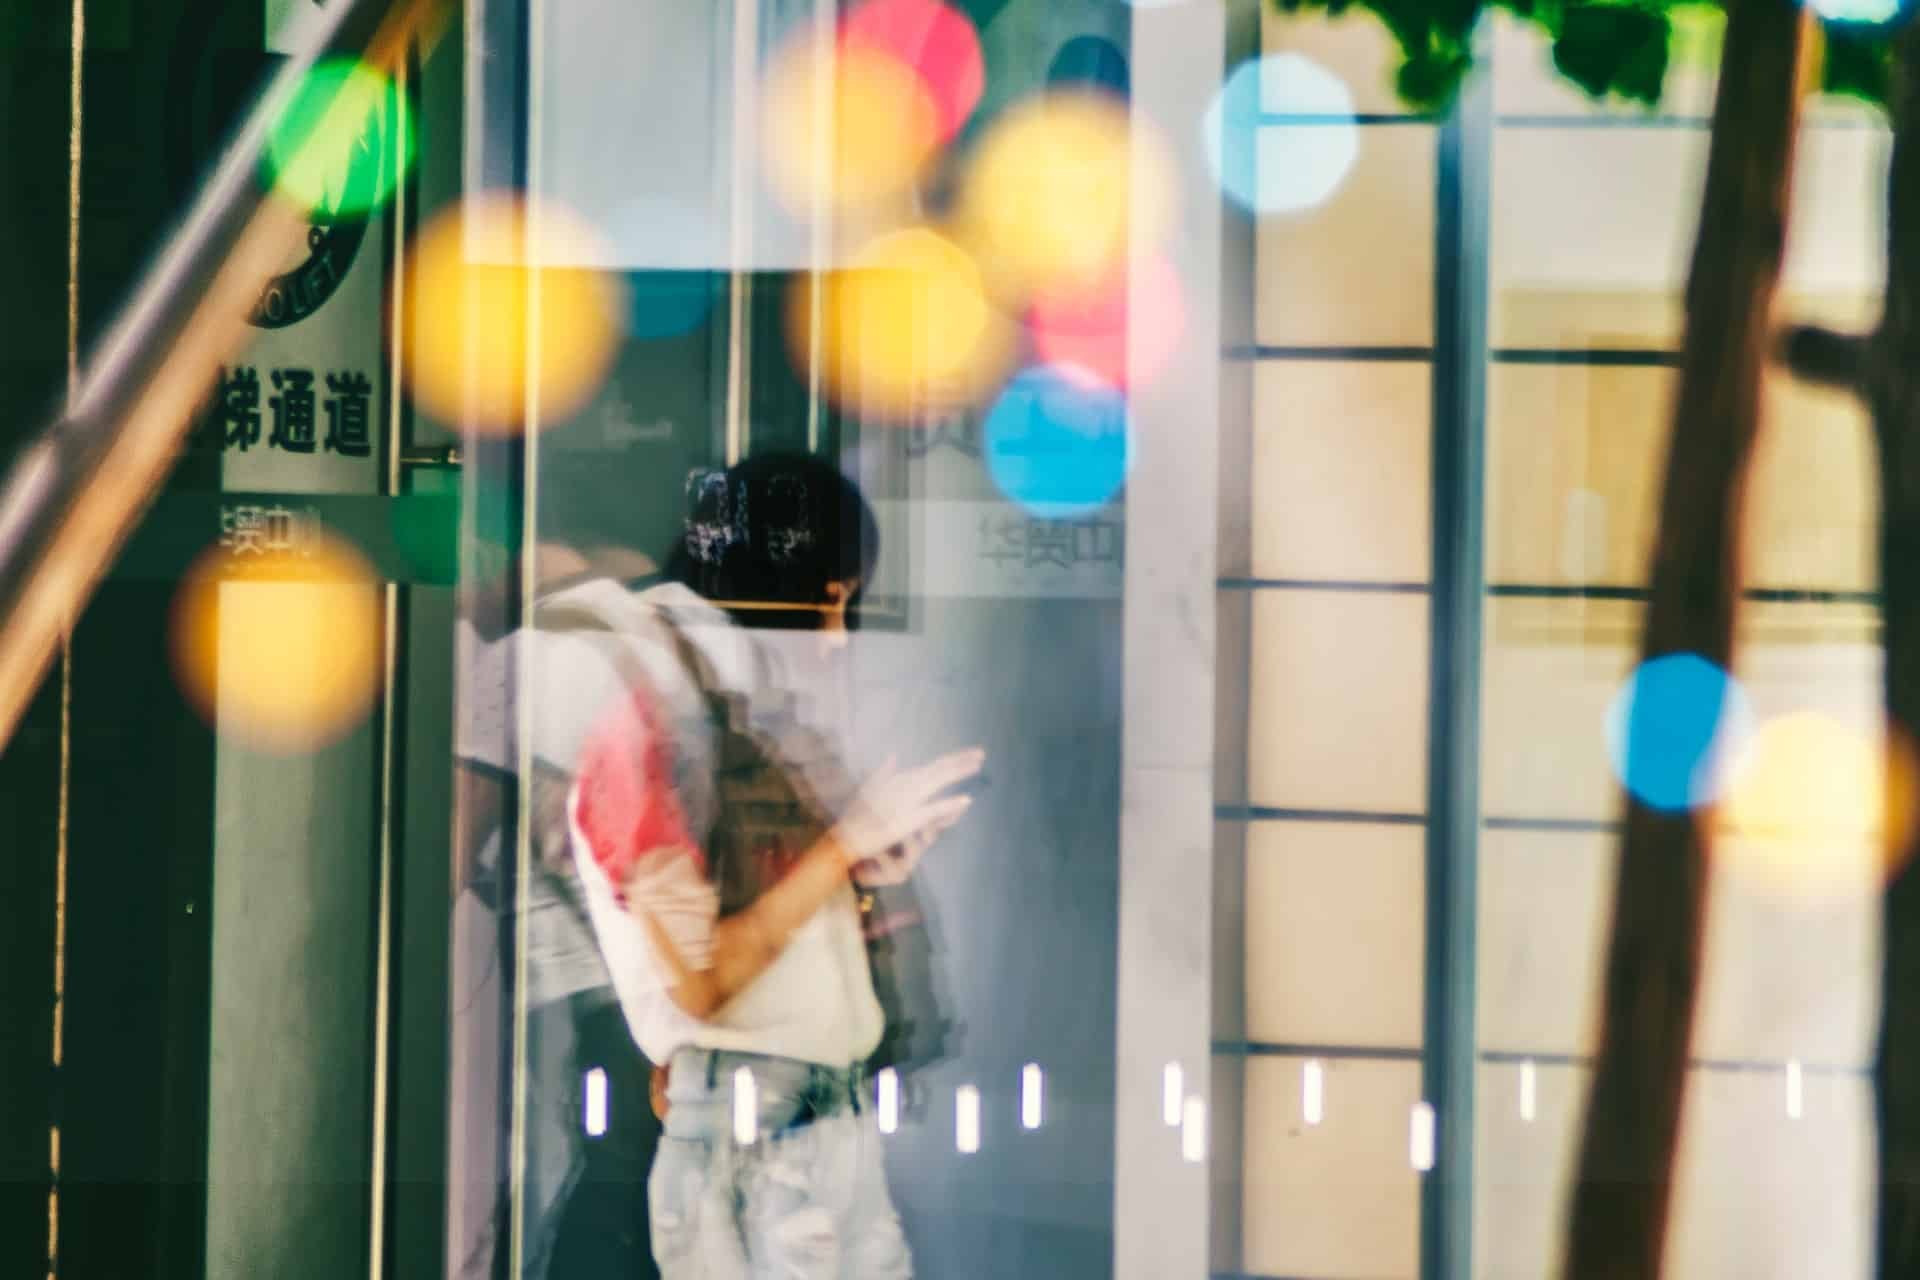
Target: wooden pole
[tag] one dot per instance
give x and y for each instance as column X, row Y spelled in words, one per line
column 1624, row 1177
column 1890, row 382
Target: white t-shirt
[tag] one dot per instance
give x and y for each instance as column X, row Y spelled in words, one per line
column 815, row 1002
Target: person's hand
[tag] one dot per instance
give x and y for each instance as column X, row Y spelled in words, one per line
column 897, row 815
column 898, row 863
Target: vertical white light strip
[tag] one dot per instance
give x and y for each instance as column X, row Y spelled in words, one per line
column 1032, row 1083
column 746, row 1107
column 596, row 1117
column 740, row 195
column 389, row 692
column 75, row 107
column 1420, row 1137
column 1193, row 1131
column 1313, row 1091
column 820, row 244
column 397, row 315
column 1795, row 1099
column 531, row 253
column 966, row 1119
column 889, row 1091
column 1172, row 1090
column 383, row 928
column 1529, row 1088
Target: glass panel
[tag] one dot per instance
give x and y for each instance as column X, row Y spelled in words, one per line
column 258, row 628
column 1575, row 454
column 719, row 414
column 780, row 535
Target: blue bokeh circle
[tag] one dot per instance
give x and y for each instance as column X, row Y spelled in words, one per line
column 1674, row 731
column 1057, row 442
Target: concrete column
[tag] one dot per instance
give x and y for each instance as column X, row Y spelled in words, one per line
column 1161, row 1194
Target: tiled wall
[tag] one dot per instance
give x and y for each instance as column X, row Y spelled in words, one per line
column 1591, row 218
column 1338, row 559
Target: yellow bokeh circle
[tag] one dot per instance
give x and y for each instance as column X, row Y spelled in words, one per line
column 906, row 326
column 1817, row 809
column 1050, row 199
column 844, row 127
column 507, row 317
column 287, row 662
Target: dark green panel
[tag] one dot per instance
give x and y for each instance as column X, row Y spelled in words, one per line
column 35, row 60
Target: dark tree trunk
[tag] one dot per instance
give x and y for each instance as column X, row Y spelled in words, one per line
column 1892, row 389
column 1620, row 1199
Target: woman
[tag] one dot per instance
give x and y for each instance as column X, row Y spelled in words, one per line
column 723, row 891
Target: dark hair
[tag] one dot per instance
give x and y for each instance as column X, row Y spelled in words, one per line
column 779, row 529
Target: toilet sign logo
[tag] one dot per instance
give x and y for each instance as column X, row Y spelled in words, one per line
column 294, row 295
column 211, row 88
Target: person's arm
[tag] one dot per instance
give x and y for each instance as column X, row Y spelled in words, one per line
column 746, row 943
column 891, row 809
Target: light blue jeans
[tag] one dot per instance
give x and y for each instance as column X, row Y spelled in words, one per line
column 805, row 1200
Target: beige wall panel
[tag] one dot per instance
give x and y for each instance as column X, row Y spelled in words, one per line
column 1789, row 963
column 1605, row 319
column 1546, row 903
column 1338, row 1199
column 1792, row 957
column 1762, row 1196
column 1577, row 212
column 1550, row 669
column 1837, row 241
column 1593, row 229
column 1787, row 979
column 1812, row 657
column 1814, row 502
column 1336, row 933
column 1586, row 318
column 1523, row 1168
column 1759, row 1195
column 1338, row 701
column 1358, row 270
column 1341, row 483
column 1576, row 458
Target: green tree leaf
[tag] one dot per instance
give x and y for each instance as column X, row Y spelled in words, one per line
column 1428, row 81
column 1617, row 49
column 1858, row 62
